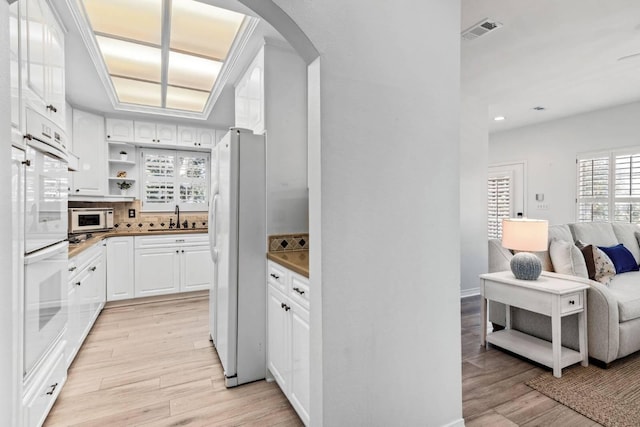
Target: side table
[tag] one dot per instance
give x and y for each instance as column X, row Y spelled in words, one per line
column 553, row 295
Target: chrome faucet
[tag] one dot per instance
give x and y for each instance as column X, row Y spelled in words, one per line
column 177, row 212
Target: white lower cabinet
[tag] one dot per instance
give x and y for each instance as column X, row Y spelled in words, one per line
column 87, row 295
column 166, row 265
column 41, row 392
column 288, row 335
column 120, row 268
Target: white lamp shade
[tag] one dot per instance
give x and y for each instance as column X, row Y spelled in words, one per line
column 525, row 234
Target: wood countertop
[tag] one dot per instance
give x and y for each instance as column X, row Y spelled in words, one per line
column 297, row 261
column 76, row 248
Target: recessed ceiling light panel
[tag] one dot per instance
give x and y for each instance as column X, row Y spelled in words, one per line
column 499, row 118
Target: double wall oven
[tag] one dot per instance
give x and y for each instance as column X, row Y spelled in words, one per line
column 46, row 248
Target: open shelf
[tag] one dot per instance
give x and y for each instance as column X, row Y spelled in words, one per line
column 115, row 178
column 122, row 162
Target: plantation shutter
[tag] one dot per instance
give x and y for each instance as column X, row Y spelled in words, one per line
column 158, row 191
column 593, row 189
column 193, row 180
column 498, row 203
column 627, row 188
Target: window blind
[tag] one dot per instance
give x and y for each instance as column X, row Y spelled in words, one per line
column 498, row 204
column 593, row 189
column 627, row 188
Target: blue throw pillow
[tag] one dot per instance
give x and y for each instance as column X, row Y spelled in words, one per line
column 622, row 259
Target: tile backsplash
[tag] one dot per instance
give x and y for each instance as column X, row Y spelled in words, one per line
column 143, row 221
column 288, row 242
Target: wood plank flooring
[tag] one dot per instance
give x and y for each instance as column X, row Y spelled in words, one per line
column 152, row 364
column 493, row 384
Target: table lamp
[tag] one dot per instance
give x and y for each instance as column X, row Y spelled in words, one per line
column 525, row 235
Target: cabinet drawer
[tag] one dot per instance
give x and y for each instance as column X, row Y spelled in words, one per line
column 569, row 303
column 277, row 276
column 46, row 391
column 171, row 240
column 300, row 290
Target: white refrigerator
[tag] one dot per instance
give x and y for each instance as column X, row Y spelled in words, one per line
column 237, row 236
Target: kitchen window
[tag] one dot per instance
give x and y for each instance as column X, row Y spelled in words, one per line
column 609, row 187
column 171, row 178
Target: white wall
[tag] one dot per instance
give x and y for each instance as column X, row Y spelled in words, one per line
column 550, row 152
column 8, row 288
column 388, row 207
column 474, row 149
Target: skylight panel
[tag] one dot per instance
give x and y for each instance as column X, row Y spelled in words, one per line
column 203, row 29
column 192, row 71
column 131, row 91
column 127, row 59
column 139, row 20
column 186, row 99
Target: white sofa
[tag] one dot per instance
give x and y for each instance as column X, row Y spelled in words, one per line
column 613, row 311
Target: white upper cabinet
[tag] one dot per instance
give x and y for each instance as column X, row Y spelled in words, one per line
column 196, row 137
column 89, row 146
column 207, row 138
column 154, row 133
column 118, row 130
column 250, row 97
column 44, row 77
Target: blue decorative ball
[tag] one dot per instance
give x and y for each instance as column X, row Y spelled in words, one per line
column 526, row 266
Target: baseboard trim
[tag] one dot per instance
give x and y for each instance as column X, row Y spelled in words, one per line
column 456, row 423
column 469, row 292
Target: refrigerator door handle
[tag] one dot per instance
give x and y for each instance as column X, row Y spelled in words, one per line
column 212, row 228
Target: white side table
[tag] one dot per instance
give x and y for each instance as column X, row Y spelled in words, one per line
column 553, row 295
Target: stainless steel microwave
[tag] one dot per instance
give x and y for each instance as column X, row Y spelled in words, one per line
column 82, row 220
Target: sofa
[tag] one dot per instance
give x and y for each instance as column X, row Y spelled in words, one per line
column 613, row 309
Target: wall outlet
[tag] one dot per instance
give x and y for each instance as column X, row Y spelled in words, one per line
column 543, row 206
column 132, row 213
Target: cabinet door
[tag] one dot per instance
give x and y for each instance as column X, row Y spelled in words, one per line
column 166, row 134
column 14, row 65
column 157, row 271
column 278, row 324
column 35, row 38
column 55, row 72
column 72, row 334
column 250, row 96
column 119, row 130
column 299, row 382
column 120, row 276
column 96, row 286
column 187, row 136
column 144, row 132
column 83, row 304
column 90, row 147
column 206, row 138
column 195, row 268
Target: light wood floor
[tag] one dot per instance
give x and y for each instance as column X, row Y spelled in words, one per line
column 493, row 384
column 152, row 364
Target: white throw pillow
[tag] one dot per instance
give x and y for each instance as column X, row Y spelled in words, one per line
column 605, row 270
column 567, row 259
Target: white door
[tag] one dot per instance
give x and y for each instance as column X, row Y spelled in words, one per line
column 187, row 136
column 299, row 382
column 211, row 226
column 195, row 268
column 206, row 138
column 119, row 130
column 36, row 40
column 166, row 134
column 226, row 248
column 278, row 342
column 55, row 71
column 157, row 271
column 145, row 132
column 91, row 177
column 120, row 256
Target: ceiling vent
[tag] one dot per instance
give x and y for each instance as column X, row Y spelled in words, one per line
column 480, row 29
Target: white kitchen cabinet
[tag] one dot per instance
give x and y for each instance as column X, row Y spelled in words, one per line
column 17, row 121
column 207, row 138
column 288, row 335
column 90, row 147
column 194, row 137
column 154, row 133
column 250, row 96
column 171, row 264
column 43, row 88
column 119, row 130
column 87, row 283
column 120, row 268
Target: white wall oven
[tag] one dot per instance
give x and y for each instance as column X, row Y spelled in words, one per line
column 45, row 300
column 46, row 184
column 82, row 220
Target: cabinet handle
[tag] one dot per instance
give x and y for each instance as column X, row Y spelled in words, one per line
column 108, row 136
column 572, row 302
column 93, row 268
column 287, row 308
column 72, row 268
column 282, row 305
column 78, row 283
column 183, row 251
column 52, row 108
column 177, row 251
column 298, row 291
column 27, row 163
column 53, row 388
column 275, row 276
